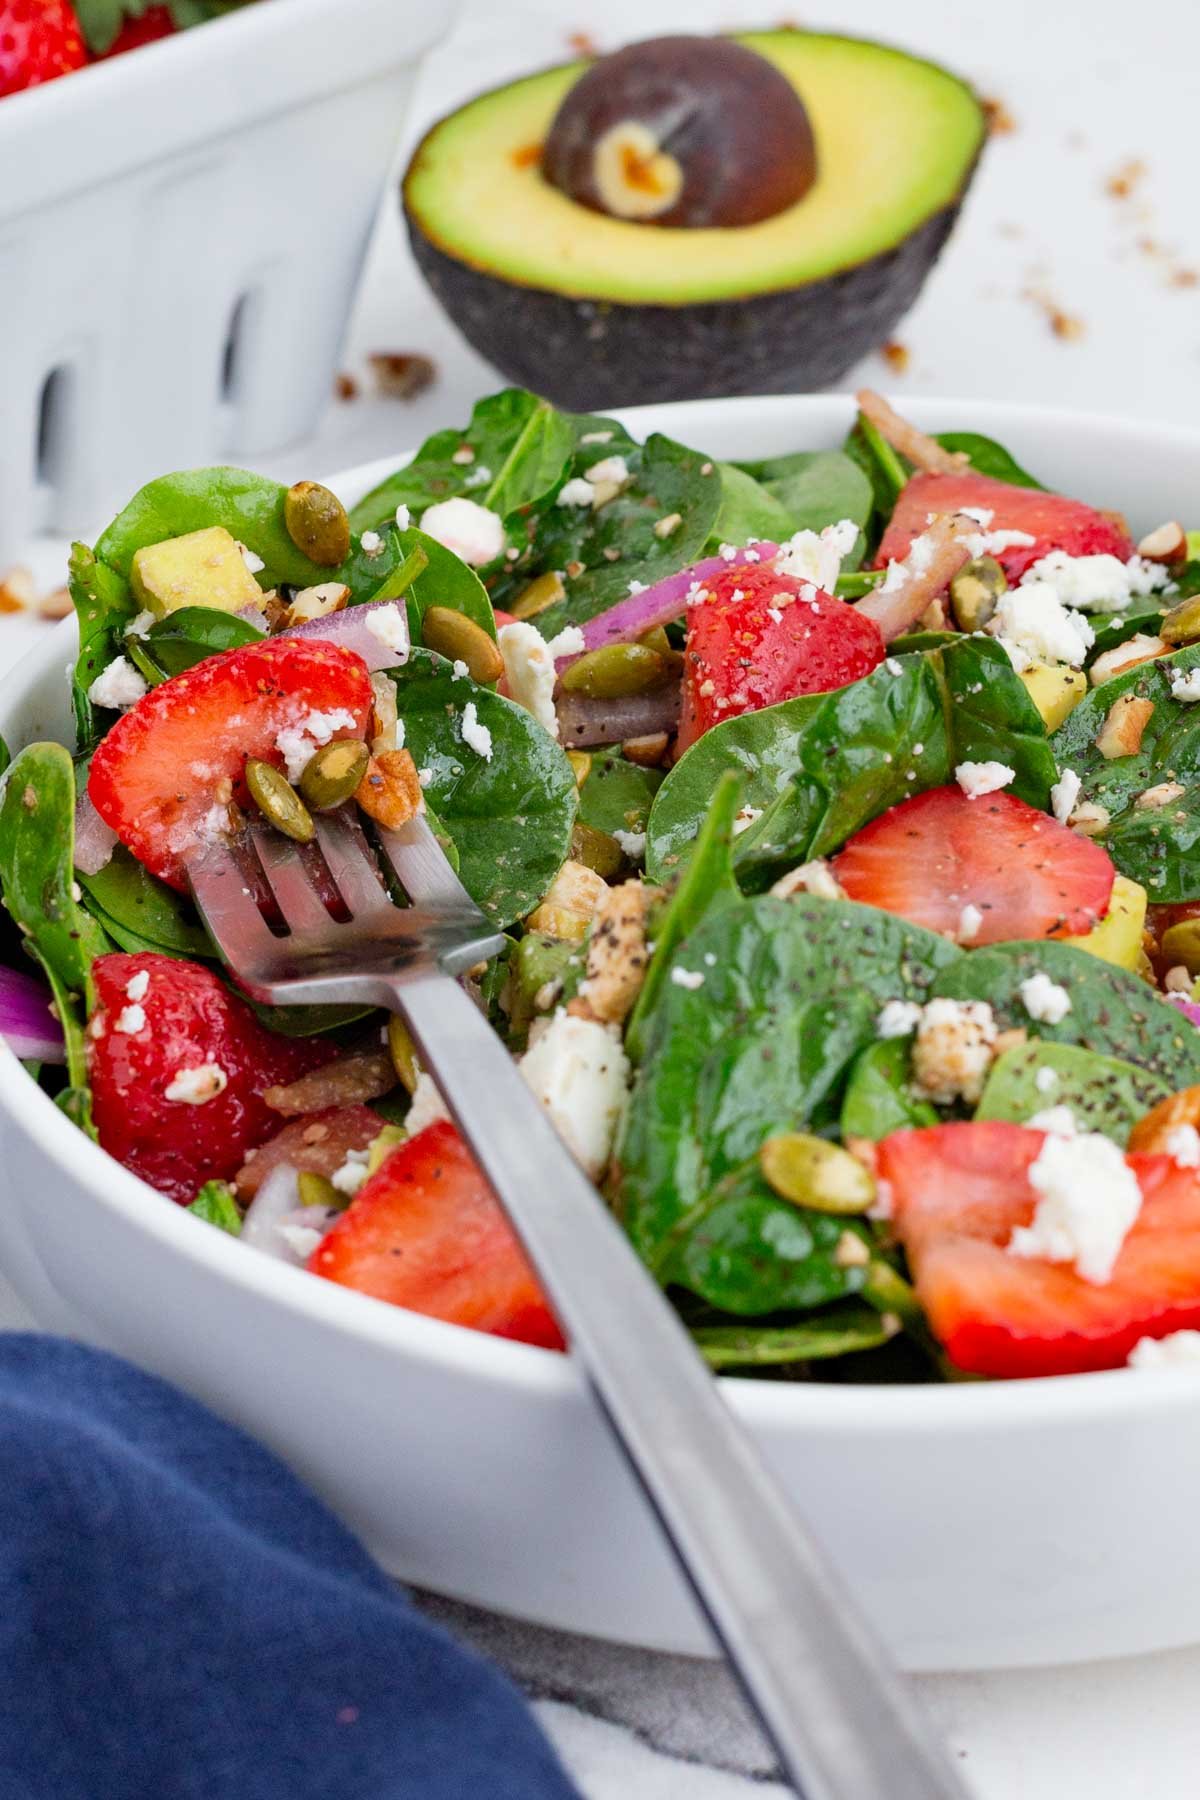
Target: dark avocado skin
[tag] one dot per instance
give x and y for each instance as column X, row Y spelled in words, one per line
column 590, row 355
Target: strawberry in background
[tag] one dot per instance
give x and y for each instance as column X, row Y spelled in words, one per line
column 39, row 41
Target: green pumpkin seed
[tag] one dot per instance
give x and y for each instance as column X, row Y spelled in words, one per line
column 1182, row 624
column 581, row 762
column 318, row 1190
column 810, row 1171
column 975, row 591
column 545, row 590
column 616, row 670
column 403, row 1053
column 460, row 639
column 381, row 1147
column 1181, row 944
column 596, row 850
column 317, row 523
column 333, row 773
column 278, row 801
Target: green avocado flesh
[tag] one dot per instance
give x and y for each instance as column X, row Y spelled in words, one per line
column 896, row 142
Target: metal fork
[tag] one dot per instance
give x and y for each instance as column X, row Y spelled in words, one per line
column 842, row 1721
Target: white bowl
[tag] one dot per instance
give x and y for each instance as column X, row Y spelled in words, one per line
column 979, row 1524
column 181, row 234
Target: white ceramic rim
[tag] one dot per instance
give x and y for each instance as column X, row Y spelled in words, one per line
column 836, row 1409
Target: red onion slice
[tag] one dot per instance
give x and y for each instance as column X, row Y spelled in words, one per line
column 583, row 721
column 1189, row 1008
column 26, row 1023
column 634, row 616
column 923, row 578
column 352, row 629
column 94, row 840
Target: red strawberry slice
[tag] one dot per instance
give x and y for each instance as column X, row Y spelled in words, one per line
column 931, row 856
column 760, row 638
column 1053, row 521
column 426, row 1232
column 157, row 1017
column 156, row 22
column 39, row 41
column 959, row 1191
column 319, row 1142
column 156, row 777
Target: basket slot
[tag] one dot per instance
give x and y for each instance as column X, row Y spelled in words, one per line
column 56, row 422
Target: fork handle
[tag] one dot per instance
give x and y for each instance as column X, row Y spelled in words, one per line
column 843, row 1722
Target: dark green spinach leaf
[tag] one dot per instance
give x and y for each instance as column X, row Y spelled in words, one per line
column 617, row 794
column 836, row 1331
column 37, row 876
column 1105, row 1093
column 142, row 913
column 879, row 1098
column 988, row 457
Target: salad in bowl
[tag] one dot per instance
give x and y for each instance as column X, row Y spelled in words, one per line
column 838, row 810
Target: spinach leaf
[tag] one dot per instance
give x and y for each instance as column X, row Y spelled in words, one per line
column 445, row 580
column 617, row 795
column 988, row 457
column 748, row 511
column 187, row 636
column 992, row 717
column 1105, row 1093
column 510, row 816
column 1156, row 846
column 879, row 1098
column 818, row 488
column 5, row 755
column 216, row 1205
column 37, row 850
column 665, row 478
column 790, row 993
column 836, row 1331
column 1112, row 1011
column 141, row 912
column 102, row 607
column 706, row 885
column 885, row 469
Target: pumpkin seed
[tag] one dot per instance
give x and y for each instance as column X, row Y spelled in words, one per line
column 317, row 523
column 278, row 801
column 403, row 1052
column 318, row 1190
column 332, row 774
column 596, row 850
column 617, row 670
column 647, row 751
column 974, row 592
column 581, row 762
column 1182, row 624
column 381, row 1147
column 460, row 639
column 810, row 1171
column 545, row 590
column 1181, row 944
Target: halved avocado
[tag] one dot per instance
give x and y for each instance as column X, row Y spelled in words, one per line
column 596, row 311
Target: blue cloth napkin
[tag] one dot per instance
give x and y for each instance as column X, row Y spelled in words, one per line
column 180, row 1619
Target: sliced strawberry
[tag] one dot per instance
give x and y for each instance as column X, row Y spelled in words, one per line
column 759, row 638
column 932, row 855
column 39, row 40
column 145, row 1033
column 426, row 1232
column 319, row 1142
column 155, row 777
column 959, row 1191
column 1053, row 521
column 156, row 22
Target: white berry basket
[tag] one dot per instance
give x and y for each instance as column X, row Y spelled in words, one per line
column 181, row 234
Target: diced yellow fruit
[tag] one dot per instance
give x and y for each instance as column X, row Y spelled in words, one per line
column 1055, row 690
column 1118, row 937
column 203, row 568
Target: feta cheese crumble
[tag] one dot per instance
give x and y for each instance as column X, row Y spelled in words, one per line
column 371, row 542
column 297, row 743
column 970, row 919
column 131, row 1019
column 473, row 532
column 817, row 556
column 1058, row 1119
column 1175, row 1351
column 352, row 1173
column 403, row 517
column 979, row 778
column 1064, row 794
column 1100, row 584
column 459, row 670
column 138, row 986
column 196, row 1086
column 687, row 978
column 953, row 1051
column 1046, row 1079
column 576, row 492
column 1033, row 625
column 815, row 878
column 609, row 471
column 427, row 1105
column 1183, row 1146
column 579, row 1071
column 475, row 733
column 118, row 685
column 529, row 670
column 1185, row 684
column 254, row 563
column 1044, row 999
column 633, row 843
column 1088, row 1200
column 388, row 624
column 898, row 1018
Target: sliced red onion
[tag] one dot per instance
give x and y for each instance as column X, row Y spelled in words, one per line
column 94, row 840
column 583, row 721
column 634, row 616
column 351, row 628
column 1189, row 1008
column 901, row 599
column 254, row 615
column 278, row 1225
column 27, row 1025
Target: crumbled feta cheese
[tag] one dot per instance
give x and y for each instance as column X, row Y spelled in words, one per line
column 576, row 492
column 297, row 743
column 196, row 1086
column 1058, row 1119
column 1033, row 625
column 744, row 818
column 817, row 556
column 1064, row 794
column 131, row 1019
column 609, row 470
column 403, row 517
column 1046, row 1079
column 1183, row 1146
column 898, row 1018
column 815, row 878
column 138, row 986
column 479, row 476
column 529, row 670
column 140, row 624
column 579, row 1071
column 475, row 733
column 979, row 778
column 1089, row 1199
column 1044, row 999
column 473, row 532
column 953, row 1050
column 633, row 843
column 1175, row 1351
column 459, row 670
column 118, row 685
column 424, row 776
column 969, row 921
column 427, row 1105
column 995, row 543
column 687, row 978
column 254, row 563
column 301, row 1240
column 1101, row 584
column 371, row 542
column 387, row 622
column 1185, row 684
column 570, row 641
column 351, row 1174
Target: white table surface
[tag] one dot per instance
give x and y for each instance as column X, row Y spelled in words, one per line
column 1091, row 84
